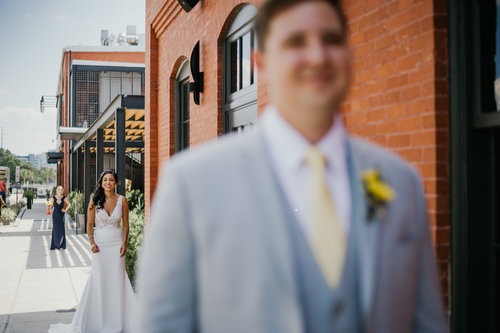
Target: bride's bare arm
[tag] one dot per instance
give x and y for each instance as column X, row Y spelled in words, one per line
column 90, row 227
column 125, row 226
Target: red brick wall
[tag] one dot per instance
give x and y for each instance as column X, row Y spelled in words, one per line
column 63, row 178
column 151, row 118
column 398, row 96
column 135, row 57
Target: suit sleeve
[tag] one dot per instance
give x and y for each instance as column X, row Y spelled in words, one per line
column 429, row 314
column 166, row 276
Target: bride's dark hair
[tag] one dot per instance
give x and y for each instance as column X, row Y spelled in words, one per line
column 98, row 197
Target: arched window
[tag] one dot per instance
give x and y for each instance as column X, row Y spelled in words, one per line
column 240, row 74
column 182, row 107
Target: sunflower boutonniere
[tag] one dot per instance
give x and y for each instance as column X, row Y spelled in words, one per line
column 377, row 193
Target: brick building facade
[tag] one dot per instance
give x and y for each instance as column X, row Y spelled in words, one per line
column 92, row 57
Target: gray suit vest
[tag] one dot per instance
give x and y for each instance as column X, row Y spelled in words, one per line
column 326, row 310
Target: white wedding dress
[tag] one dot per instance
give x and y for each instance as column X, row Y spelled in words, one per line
column 108, row 302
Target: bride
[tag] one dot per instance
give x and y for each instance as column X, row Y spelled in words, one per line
column 108, row 302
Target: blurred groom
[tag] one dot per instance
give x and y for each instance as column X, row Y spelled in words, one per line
column 294, row 226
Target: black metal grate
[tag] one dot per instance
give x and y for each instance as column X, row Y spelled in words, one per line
column 87, row 98
column 95, row 90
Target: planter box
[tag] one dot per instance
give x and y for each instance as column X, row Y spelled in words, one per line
column 80, row 221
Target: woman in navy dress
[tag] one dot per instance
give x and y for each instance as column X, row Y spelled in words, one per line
column 60, row 203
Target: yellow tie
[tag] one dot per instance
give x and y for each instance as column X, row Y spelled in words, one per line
column 327, row 238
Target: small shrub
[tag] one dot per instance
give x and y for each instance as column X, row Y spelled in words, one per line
column 136, row 228
column 8, row 215
column 76, row 198
column 135, row 199
column 29, row 194
column 71, row 210
column 79, row 202
column 17, row 207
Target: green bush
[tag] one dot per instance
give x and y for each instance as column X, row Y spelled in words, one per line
column 29, row 194
column 79, row 202
column 9, row 214
column 135, row 199
column 71, row 210
column 17, row 207
column 136, row 228
column 76, row 198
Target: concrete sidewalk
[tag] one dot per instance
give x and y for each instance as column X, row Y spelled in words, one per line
column 39, row 287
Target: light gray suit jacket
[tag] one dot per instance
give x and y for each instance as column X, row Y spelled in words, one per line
column 217, row 257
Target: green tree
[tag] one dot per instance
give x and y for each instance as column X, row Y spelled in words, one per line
column 26, row 175
column 10, row 160
column 47, row 174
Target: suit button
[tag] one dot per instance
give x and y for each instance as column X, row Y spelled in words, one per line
column 338, row 308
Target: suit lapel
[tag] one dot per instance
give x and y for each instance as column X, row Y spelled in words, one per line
column 273, row 213
column 366, row 232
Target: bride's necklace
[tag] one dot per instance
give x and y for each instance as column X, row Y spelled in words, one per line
column 111, row 198
column 110, row 202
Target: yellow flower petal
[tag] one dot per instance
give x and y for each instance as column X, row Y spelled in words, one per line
column 381, row 191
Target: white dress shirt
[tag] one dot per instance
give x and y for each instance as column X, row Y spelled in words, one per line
column 287, row 149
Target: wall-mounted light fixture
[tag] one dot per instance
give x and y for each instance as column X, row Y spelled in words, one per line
column 48, row 102
column 196, row 87
column 187, row 5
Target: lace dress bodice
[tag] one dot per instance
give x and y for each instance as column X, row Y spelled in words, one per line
column 103, row 220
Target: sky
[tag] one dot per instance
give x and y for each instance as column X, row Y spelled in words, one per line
column 34, row 33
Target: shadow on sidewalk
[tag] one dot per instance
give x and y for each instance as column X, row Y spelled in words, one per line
column 40, row 255
column 34, row 322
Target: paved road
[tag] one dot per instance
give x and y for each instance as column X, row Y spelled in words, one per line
column 38, row 286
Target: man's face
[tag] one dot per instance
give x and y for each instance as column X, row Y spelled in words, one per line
column 306, row 58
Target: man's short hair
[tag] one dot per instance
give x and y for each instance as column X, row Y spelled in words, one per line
column 270, row 8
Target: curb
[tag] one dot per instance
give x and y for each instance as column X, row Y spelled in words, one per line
column 21, row 213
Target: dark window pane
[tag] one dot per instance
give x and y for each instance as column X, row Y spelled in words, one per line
column 496, row 193
column 234, row 65
column 254, row 46
column 488, row 54
column 497, row 58
column 185, row 115
column 182, row 114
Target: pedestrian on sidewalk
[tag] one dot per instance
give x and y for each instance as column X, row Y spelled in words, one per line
column 2, row 205
column 3, row 190
column 108, row 303
column 60, row 205
column 294, row 226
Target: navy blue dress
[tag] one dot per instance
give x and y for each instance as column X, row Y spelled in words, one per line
column 58, row 227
